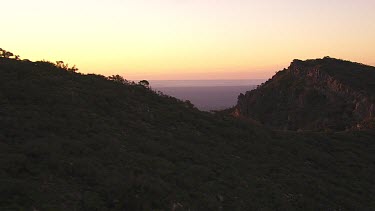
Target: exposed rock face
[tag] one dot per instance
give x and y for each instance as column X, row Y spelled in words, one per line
column 314, row 95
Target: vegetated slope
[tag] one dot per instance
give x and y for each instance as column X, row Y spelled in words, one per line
column 83, row 142
column 316, row 94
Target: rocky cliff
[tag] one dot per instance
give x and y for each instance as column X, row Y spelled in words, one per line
column 321, row 94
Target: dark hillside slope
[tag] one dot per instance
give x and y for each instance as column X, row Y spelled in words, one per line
column 321, row 94
column 83, row 142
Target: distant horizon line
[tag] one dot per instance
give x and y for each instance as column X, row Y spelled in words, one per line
column 200, row 79
column 205, row 83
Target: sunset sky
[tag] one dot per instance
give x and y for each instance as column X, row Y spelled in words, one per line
column 188, row 39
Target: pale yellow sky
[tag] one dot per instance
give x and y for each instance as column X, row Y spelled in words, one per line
column 191, row 39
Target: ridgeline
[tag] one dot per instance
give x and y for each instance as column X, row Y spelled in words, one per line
column 70, row 141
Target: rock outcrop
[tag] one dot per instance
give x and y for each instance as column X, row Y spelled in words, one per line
column 321, row 94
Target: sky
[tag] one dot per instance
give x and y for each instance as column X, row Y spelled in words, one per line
column 188, row 39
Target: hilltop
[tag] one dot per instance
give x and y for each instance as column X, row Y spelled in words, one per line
column 70, row 141
column 320, row 94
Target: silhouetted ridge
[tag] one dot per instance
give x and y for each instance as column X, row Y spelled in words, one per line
column 320, row 94
column 70, row 141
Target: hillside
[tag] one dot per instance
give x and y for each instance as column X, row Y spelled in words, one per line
column 321, row 94
column 70, row 141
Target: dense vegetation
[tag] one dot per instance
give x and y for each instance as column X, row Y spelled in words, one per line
column 321, row 94
column 86, row 142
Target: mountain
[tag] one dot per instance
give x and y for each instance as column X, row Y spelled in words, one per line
column 320, row 94
column 70, row 141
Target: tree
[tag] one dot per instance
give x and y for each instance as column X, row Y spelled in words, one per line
column 5, row 53
column 73, row 69
column 61, row 64
column 118, row 78
column 8, row 54
column 144, row 83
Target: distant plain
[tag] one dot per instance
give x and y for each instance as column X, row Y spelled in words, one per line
column 206, row 95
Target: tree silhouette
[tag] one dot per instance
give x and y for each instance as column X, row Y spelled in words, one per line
column 144, row 83
column 118, row 78
column 73, row 69
column 61, row 64
column 5, row 53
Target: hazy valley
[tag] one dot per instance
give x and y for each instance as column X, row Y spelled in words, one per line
column 207, row 98
column 206, row 95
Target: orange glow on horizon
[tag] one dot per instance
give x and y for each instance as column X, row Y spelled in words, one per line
column 207, row 39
